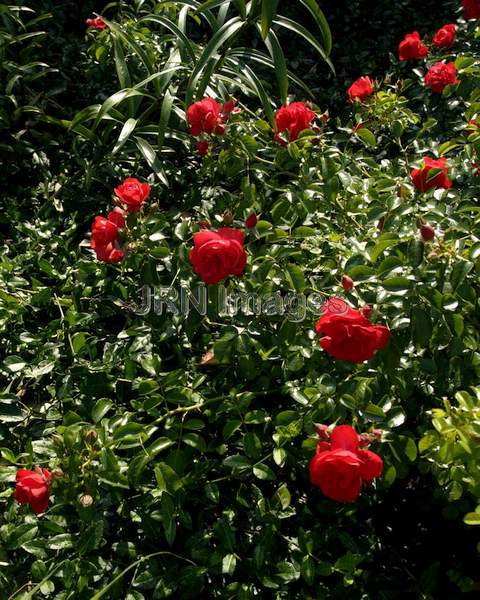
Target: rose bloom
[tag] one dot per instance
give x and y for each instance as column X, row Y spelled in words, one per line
column 422, row 181
column 132, row 194
column 347, row 334
column 411, row 47
column 204, row 116
column 360, row 89
column 33, row 487
column 441, row 75
column 294, row 118
column 471, row 9
column 98, row 23
column 340, row 467
column 217, row 254
column 105, row 236
column 445, row 36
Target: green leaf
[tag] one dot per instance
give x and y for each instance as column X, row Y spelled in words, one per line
column 303, row 32
column 14, row 364
column 263, row 472
column 280, row 65
column 295, row 277
column 151, row 157
column 472, row 518
column 459, row 272
column 222, row 36
column 366, row 136
column 321, row 21
column 127, row 129
column 421, row 327
column 229, row 563
column 269, row 11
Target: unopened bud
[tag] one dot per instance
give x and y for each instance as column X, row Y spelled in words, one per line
column 227, row 217
column 86, row 500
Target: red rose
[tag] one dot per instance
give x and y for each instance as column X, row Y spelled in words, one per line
column 423, row 180
column 294, row 118
column 105, row 235
column 441, row 75
column 98, row 23
column 445, row 36
column 411, row 47
column 251, row 221
column 471, row 9
column 216, row 255
column 204, row 116
column 117, row 216
column 348, row 334
column 104, row 231
column 33, row 487
column 360, row 89
column 202, row 148
column 339, row 468
column 132, row 194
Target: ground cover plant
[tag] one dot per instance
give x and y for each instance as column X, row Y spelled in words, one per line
column 239, row 328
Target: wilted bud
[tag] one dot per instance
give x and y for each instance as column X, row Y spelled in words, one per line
column 204, row 224
column 377, row 434
column 86, row 500
column 90, row 436
column 381, row 223
column 227, row 217
column 57, row 473
column 367, row 311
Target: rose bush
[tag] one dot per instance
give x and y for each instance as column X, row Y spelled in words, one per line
column 184, row 436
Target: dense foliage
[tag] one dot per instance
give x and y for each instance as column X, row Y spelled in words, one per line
column 176, row 443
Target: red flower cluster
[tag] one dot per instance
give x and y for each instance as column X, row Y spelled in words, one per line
column 471, row 9
column 411, row 47
column 348, row 334
column 208, row 116
column 424, row 180
column 441, row 75
column 98, row 23
column 217, row 254
column 33, row 487
column 106, row 236
column 445, row 36
column 339, row 467
column 132, row 194
column 360, row 89
column 106, row 231
column 292, row 118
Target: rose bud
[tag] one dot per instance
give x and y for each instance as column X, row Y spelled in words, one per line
column 220, row 129
column 427, row 232
column 251, row 221
column 228, row 217
column 367, row 311
column 364, row 440
column 204, row 225
column 322, row 431
column 202, row 148
column 377, row 433
column 347, row 283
